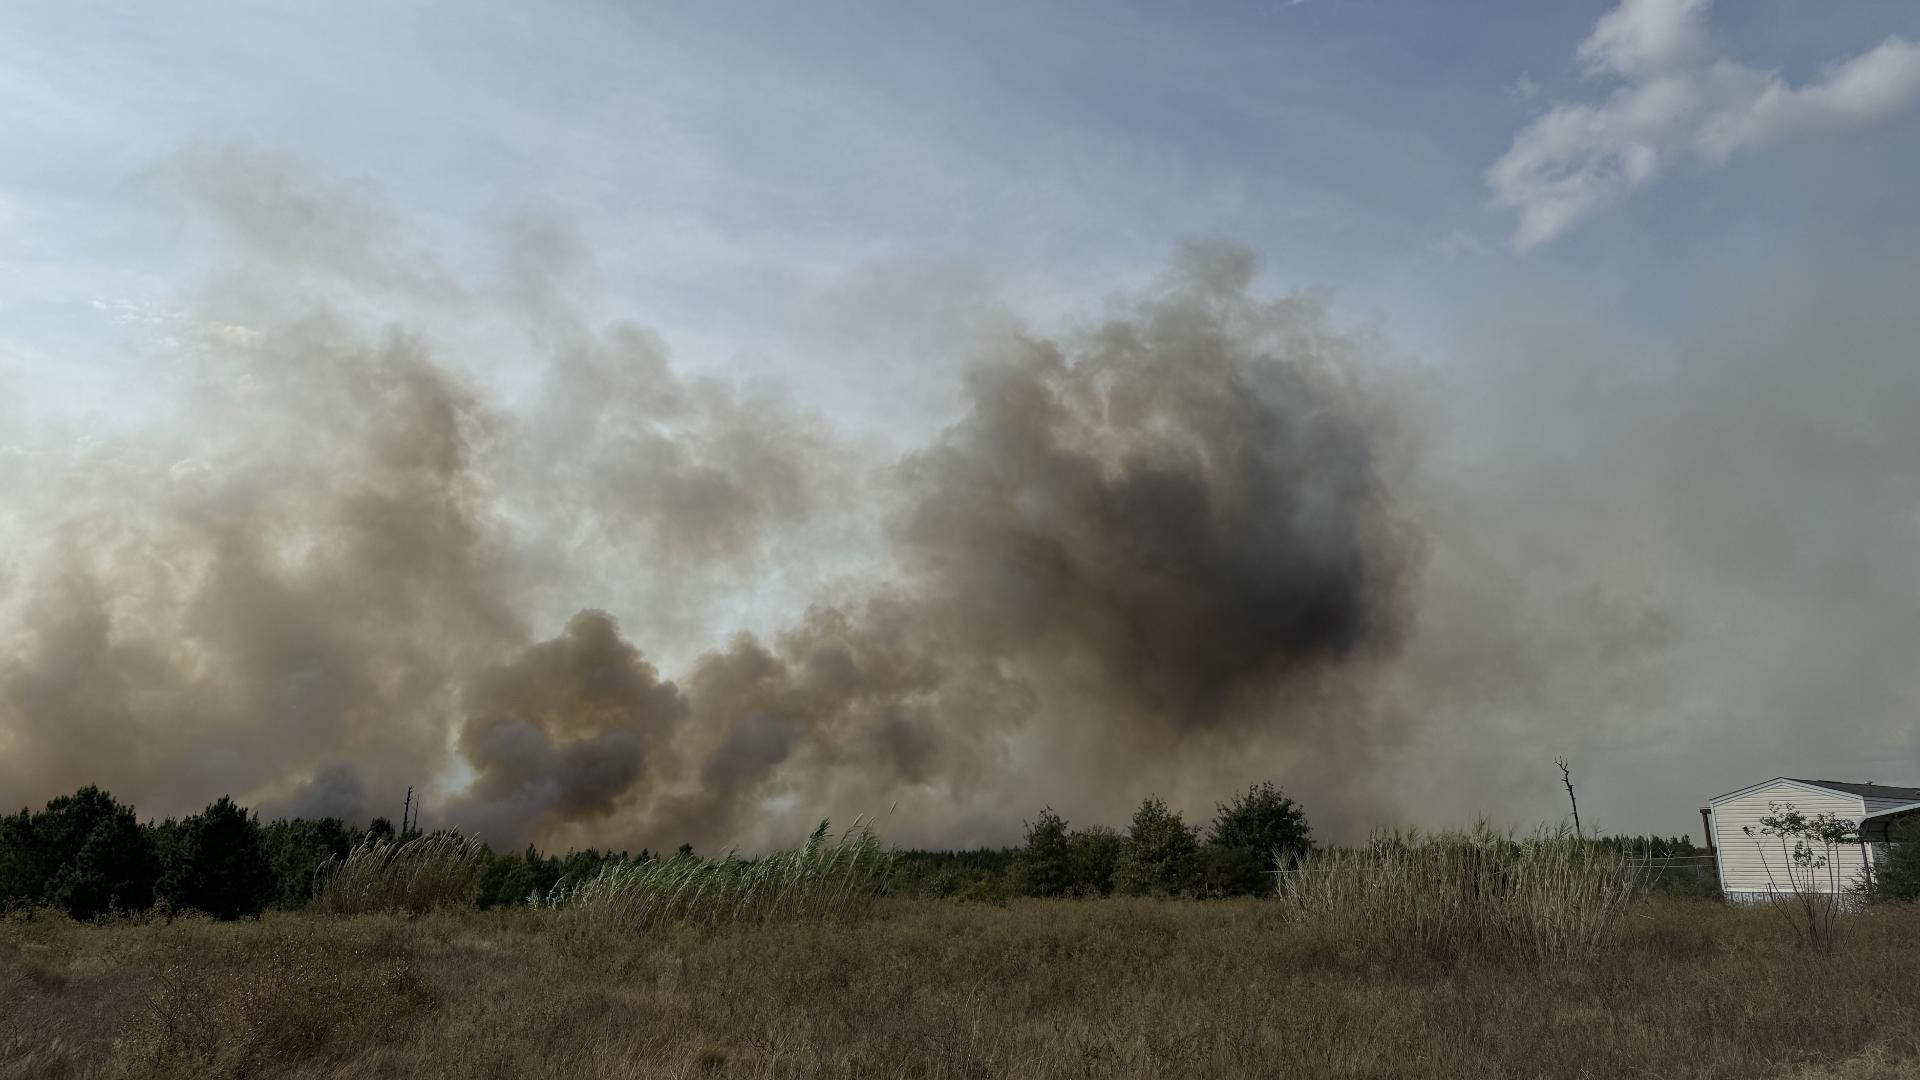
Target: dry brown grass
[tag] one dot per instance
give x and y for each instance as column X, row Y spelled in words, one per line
column 926, row 989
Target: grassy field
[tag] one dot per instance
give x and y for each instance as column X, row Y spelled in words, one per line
column 917, row 988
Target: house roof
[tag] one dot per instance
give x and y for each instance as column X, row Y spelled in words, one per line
column 1868, row 791
column 1892, row 812
column 1845, row 787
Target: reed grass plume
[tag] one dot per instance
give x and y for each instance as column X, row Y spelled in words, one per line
column 1542, row 895
column 828, row 877
column 414, row 875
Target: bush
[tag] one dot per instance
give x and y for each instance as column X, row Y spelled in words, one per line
column 1158, row 856
column 1807, row 886
column 1898, row 878
column 215, row 863
column 1233, row 871
column 951, row 874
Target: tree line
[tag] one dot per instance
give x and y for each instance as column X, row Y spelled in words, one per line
column 87, row 854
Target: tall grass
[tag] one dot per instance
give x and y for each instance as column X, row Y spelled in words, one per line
column 417, row 874
column 827, row 877
column 1548, row 894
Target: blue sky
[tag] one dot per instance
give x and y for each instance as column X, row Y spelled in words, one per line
column 1533, row 200
column 731, row 169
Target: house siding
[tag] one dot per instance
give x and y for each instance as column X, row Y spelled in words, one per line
column 1751, row 867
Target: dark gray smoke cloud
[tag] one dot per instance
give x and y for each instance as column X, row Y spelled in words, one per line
column 374, row 525
column 321, row 572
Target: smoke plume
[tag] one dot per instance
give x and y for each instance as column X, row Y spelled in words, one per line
column 362, row 523
column 330, row 569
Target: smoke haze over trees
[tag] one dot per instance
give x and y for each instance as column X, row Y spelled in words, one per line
column 578, row 594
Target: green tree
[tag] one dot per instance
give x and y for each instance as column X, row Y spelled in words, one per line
column 1092, row 855
column 1043, row 867
column 1898, row 878
column 514, row 879
column 298, row 849
column 95, row 856
column 1158, row 857
column 1251, row 833
column 23, row 881
column 219, row 864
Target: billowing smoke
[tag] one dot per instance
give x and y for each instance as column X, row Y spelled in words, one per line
column 325, row 572
column 359, row 523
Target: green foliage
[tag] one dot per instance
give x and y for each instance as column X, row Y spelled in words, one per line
column 86, row 855
column 1233, row 871
column 298, row 849
column 1897, row 880
column 1044, row 866
column 217, row 864
column 22, row 879
column 1265, row 820
column 1800, row 854
column 979, row 874
column 1158, row 857
column 1251, row 834
column 521, row 878
column 1093, row 854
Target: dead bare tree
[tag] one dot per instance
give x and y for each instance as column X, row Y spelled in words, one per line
column 1566, row 777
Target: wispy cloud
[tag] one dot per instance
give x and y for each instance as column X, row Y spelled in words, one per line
column 1680, row 103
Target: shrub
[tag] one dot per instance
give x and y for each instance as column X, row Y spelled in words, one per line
column 1898, row 878
column 1807, row 889
column 1158, row 857
column 215, row 863
column 1454, row 893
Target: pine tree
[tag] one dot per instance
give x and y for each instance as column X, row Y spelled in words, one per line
column 1158, row 858
column 219, row 865
column 1251, row 835
column 1043, row 867
column 95, row 857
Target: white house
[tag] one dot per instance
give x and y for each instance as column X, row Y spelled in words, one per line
column 1753, row 866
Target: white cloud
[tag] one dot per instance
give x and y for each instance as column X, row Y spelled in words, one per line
column 1681, row 105
column 1647, row 37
